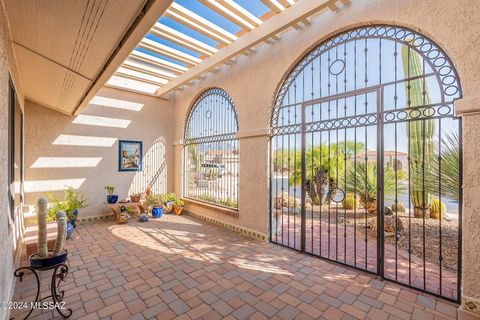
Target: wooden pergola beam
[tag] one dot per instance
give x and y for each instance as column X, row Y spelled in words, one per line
column 199, row 24
column 161, row 63
column 274, row 5
column 140, row 67
column 231, row 13
column 169, row 52
column 269, row 29
column 182, row 39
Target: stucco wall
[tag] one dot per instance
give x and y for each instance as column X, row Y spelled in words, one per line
column 94, row 164
column 253, row 80
column 10, row 231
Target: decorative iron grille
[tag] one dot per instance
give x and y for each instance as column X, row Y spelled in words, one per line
column 211, row 150
column 366, row 158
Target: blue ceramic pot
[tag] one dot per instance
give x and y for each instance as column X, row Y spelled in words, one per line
column 72, row 222
column 157, row 212
column 36, row 262
column 112, row 198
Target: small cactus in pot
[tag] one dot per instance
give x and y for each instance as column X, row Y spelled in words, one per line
column 45, row 258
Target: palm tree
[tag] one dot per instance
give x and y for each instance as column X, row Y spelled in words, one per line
column 323, row 165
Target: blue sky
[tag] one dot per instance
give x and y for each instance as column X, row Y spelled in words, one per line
column 256, row 7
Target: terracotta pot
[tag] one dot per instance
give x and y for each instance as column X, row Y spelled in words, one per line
column 178, row 210
column 135, row 198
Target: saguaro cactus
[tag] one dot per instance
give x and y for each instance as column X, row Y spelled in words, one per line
column 42, row 204
column 420, row 133
column 61, row 233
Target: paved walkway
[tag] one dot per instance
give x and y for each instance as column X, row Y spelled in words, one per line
column 399, row 265
column 179, row 267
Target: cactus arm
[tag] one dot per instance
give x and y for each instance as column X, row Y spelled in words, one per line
column 42, row 204
column 61, row 233
column 420, row 133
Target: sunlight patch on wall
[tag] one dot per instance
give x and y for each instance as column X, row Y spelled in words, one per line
column 101, row 121
column 52, row 185
column 66, row 162
column 116, row 103
column 88, row 141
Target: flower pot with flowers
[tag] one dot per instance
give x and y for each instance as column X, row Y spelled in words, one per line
column 155, row 202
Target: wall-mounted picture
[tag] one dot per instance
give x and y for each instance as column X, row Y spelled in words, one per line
column 129, row 155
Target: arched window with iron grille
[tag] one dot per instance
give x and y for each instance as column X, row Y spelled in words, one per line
column 211, row 150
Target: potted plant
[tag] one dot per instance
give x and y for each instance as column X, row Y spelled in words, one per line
column 135, row 197
column 155, row 201
column 71, row 203
column 178, row 206
column 170, row 199
column 111, row 198
column 125, row 214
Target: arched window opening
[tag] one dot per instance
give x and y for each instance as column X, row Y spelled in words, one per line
column 211, row 150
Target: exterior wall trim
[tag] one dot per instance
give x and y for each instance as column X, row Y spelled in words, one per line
column 245, row 231
column 467, row 106
column 264, row 132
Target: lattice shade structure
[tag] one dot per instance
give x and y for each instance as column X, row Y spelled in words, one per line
column 194, row 38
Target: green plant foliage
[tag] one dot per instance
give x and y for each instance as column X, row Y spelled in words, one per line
column 229, row 202
column 447, row 169
column 350, row 202
column 398, row 207
column 363, row 182
column 437, row 209
column 179, row 203
column 420, row 133
column 170, row 197
column 155, row 200
column 323, row 165
column 71, row 201
column 110, row 189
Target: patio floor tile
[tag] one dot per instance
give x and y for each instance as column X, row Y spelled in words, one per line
column 178, row 267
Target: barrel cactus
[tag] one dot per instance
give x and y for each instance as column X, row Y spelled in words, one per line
column 437, row 209
column 420, row 133
column 42, row 205
column 350, row 202
column 398, row 207
column 61, row 233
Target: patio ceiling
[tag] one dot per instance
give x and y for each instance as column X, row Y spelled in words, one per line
column 65, row 52
column 196, row 37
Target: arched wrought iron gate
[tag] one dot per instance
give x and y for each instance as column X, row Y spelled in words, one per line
column 366, row 158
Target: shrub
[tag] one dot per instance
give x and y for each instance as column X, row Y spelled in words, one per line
column 398, row 207
column 350, row 202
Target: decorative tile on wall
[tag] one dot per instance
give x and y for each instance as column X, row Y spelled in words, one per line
column 96, row 218
column 471, row 304
column 245, row 231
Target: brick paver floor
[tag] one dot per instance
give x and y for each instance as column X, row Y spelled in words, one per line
column 178, row 267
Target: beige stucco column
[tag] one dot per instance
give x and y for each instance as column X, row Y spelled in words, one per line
column 469, row 109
